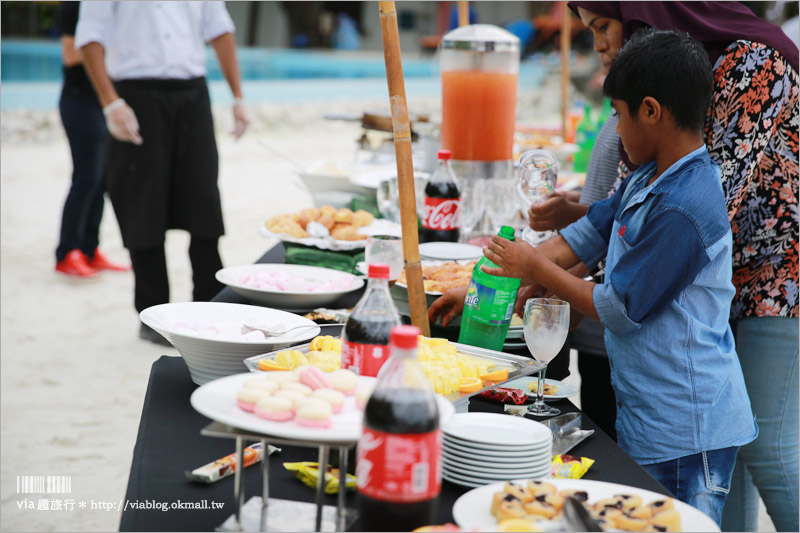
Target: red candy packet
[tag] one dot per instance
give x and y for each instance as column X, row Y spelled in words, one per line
column 505, row 395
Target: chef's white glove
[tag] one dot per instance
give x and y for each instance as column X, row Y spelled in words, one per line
column 121, row 122
column 240, row 118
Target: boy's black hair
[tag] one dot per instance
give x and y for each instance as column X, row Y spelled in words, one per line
column 669, row 66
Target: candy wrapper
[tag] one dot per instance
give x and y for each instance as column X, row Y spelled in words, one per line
column 569, row 467
column 226, row 466
column 308, row 473
column 505, row 395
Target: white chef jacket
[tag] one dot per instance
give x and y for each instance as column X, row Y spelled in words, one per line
column 164, row 40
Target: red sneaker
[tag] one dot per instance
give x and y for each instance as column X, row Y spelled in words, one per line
column 75, row 264
column 101, row 262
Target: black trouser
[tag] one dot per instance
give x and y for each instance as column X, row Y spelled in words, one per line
column 150, row 273
column 598, row 400
column 85, row 126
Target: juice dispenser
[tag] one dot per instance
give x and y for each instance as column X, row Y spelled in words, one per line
column 480, row 69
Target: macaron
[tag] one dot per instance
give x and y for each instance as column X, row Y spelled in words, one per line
column 299, row 387
column 333, row 397
column 345, row 381
column 293, row 396
column 247, row 397
column 282, row 377
column 316, row 414
column 274, row 408
column 262, row 383
column 362, row 396
column 314, row 378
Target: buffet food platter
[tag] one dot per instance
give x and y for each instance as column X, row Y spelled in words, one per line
column 517, row 366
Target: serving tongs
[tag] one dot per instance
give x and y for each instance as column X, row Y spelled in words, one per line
column 567, row 432
column 577, row 517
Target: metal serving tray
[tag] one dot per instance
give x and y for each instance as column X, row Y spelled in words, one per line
column 517, row 365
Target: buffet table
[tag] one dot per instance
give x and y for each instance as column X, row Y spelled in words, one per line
column 160, row 498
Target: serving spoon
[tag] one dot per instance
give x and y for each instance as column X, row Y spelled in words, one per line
column 279, row 330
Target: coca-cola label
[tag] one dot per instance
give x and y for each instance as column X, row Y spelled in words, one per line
column 399, row 468
column 441, row 213
column 364, row 359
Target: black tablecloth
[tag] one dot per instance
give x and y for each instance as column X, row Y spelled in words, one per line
column 169, row 443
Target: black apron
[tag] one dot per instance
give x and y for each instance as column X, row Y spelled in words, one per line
column 169, row 181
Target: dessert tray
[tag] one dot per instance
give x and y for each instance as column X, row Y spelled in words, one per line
column 472, row 511
column 217, row 401
column 378, row 226
column 517, row 366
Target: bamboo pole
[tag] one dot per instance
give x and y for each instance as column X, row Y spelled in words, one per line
column 463, row 13
column 566, row 33
column 405, row 168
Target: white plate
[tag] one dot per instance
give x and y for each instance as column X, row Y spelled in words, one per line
column 327, row 175
column 217, row 401
column 379, row 226
column 491, row 449
column 450, row 251
column 513, row 346
column 499, row 476
column 498, row 459
column 497, row 430
column 516, row 332
column 489, row 466
column 565, row 390
column 472, row 510
column 210, row 358
column 475, row 483
column 289, row 300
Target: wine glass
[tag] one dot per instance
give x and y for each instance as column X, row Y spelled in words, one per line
column 538, row 172
column 546, row 326
column 472, row 204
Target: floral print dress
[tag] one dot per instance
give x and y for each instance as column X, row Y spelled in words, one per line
column 752, row 133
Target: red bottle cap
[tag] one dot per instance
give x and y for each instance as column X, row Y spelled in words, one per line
column 378, row 271
column 405, row 337
column 443, row 154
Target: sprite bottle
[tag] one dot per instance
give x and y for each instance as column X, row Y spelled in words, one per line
column 489, row 305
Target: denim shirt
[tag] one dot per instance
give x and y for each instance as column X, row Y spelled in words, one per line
column 665, row 304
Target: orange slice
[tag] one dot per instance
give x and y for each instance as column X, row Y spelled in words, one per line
column 469, row 385
column 497, row 375
column 269, row 364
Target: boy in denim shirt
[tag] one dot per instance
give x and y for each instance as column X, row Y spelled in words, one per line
column 682, row 409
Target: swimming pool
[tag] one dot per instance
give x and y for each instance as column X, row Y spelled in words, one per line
column 31, row 75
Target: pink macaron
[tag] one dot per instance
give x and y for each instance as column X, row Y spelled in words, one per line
column 314, row 378
column 333, row 397
column 274, row 408
column 314, row 413
column 247, row 397
column 345, row 381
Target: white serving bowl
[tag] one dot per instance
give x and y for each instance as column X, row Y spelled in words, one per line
column 288, row 300
column 212, row 358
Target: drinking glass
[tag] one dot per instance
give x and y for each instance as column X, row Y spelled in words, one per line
column 538, row 172
column 546, row 325
column 501, row 206
column 386, row 250
column 388, row 196
column 472, row 204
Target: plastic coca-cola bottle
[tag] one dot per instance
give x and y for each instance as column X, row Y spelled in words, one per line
column 398, row 465
column 442, row 209
column 365, row 341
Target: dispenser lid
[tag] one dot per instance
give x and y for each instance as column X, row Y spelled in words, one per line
column 482, row 38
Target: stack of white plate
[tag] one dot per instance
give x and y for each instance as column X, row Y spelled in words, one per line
column 483, row 448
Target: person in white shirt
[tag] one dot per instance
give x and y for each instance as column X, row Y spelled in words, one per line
column 147, row 62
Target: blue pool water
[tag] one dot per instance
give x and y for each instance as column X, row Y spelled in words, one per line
column 30, row 72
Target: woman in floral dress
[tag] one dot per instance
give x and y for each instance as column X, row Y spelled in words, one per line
column 752, row 133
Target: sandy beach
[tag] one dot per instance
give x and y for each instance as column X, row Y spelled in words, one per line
column 74, row 371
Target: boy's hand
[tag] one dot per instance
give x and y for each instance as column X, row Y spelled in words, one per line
column 515, row 258
column 526, row 293
column 449, row 305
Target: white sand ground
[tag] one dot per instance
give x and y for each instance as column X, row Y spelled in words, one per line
column 74, row 372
